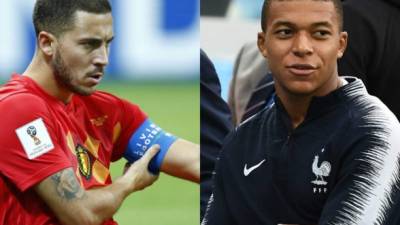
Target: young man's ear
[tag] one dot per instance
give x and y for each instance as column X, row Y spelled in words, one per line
column 46, row 42
column 261, row 44
column 342, row 44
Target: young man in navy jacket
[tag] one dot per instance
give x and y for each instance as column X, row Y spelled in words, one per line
column 326, row 152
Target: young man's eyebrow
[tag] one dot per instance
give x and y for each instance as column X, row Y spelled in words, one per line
column 90, row 40
column 96, row 39
column 322, row 24
column 283, row 23
column 290, row 24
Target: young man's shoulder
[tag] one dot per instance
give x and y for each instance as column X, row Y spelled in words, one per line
column 257, row 119
column 374, row 126
column 371, row 110
column 15, row 90
column 362, row 108
column 252, row 132
column 21, row 100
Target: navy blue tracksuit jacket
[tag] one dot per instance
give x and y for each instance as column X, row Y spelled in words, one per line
column 340, row 166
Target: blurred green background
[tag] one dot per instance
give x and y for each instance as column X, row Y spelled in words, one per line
column 176, row 108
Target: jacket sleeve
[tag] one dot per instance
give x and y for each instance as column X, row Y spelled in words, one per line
column 367, row 186
column 217, row 212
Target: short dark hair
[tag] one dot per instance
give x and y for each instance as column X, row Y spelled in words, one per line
column 267, row 4
column 57, row 16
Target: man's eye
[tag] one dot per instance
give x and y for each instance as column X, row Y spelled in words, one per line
column 91, row 44
column 284, row 33
column 321, row 34
column 87, row 45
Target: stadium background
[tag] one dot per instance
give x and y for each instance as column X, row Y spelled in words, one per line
column 153, row 63
column 226, row 25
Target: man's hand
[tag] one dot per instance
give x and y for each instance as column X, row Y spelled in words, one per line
column 138, row 174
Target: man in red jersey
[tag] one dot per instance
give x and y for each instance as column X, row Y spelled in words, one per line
column 59, row 134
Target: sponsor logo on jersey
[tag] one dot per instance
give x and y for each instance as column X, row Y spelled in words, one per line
column 34, row 138
column 99, row 121
column 320, row 170
column 84, row 163
column 247, row 171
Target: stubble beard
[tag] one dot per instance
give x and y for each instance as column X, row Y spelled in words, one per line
column 64, row 77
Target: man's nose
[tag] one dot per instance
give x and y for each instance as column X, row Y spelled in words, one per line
column 101, row 57
column 302, row 45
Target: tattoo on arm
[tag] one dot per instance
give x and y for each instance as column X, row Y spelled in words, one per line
column 67, row 186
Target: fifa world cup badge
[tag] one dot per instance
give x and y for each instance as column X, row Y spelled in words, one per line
column 35, row 138
column 31, row 130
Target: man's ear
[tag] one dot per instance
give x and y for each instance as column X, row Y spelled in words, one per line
column 46, row 43
column 261, row 44
column 342, row 44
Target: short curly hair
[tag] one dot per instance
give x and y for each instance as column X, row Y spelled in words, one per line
column 57, row 16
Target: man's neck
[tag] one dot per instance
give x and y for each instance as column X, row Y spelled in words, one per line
column 297, row 105
column 43, row 75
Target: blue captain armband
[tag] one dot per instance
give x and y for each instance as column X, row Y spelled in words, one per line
column 145, row 136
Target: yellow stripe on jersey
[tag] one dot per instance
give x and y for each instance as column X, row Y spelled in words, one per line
column 116, row 132
column 100, row 172
column 92, row 146
column 70, row 143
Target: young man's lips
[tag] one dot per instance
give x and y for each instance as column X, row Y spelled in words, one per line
column 96, row 77
column 99, row 74
column 302, row 69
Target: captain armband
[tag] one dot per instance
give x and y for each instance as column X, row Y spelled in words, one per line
column 145, row 136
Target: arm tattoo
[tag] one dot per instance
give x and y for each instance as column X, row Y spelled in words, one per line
column 67, row 186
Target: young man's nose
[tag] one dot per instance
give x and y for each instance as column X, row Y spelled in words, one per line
column 101, row 57
column 302, row 45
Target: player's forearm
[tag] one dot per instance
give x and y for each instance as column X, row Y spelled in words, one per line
column 73, row 205
column 104, row 202
column 183, row 160
column 99, row 206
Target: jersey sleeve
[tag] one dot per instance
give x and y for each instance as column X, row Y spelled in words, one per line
column 130, row 119
column 367, row 187
column 29, row 148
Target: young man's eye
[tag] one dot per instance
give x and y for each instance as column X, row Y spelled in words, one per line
column 91, row 44
column 284, row 33
column 87, row 45
column 321, row 34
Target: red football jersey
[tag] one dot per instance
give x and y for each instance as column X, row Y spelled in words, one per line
column 41, row 135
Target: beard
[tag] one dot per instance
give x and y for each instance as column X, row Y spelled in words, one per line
column 64, row 77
